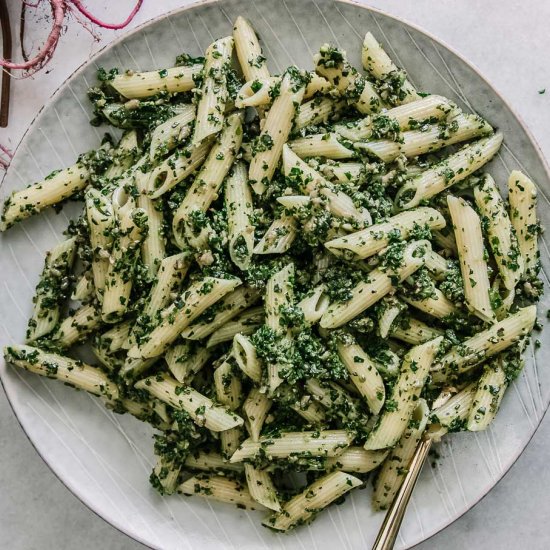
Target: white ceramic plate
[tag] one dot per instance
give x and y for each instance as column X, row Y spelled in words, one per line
column 106, row 459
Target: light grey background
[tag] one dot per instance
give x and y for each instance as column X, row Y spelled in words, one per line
column 508, row 41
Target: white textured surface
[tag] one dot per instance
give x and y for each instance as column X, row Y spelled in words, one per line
column 511, row 66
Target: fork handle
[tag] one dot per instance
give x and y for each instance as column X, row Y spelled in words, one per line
column 392, row 522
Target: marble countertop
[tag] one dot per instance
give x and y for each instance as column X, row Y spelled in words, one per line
column 509, row 42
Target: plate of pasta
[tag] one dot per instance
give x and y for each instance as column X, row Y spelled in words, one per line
column 275, row 245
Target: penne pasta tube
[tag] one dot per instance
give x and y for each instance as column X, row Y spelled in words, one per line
column 131, row 222
column 199, row 407
column 153, row 247
column 279, row 236
column 356, row 460
column 173, row 132
column 204, row 189
column 56, row 187
column 52, row 285
column 364, row 375
column 146, row 84
column 315, row 305
column 522, row 195
column 210, row 462
column 324, row 443
column 261, row 487
column 451, row 170
column 371, row 240
column 331, row 63
column 167, row 473
column 378, row 284
column 262, row 91
column 77, row 326
column 500, row 232
column 279, row 293
column 189, row 305
column 473, row 351
column 437, row 265
column 84, row 289
column 451, row 415
column 392, row 473
column 102, row 222
column 404, row 117
column 399, row 408
column 343, row 172
column 249, row 51
column 184, row 361
column 255, row 409
column 226, row 309
column 176, row 317
column 312, row 183
column 124, row 155
column 267, row 148
column 220, row 488
column 244, row 353
column 71, row 371
column 213, row 94
column 391, row 308
column 488, row 396
column 413, row 143
column 317, row 111
column 178, row 166
column 321, row 145
column 302, row 508
column 115, row 338
column 230, row 440
column 169, row 277
column 228, row 386
column 379, row 65
column 471, row 253
column 246, row 324
column 437, row 305
column 414, row 332
column 240, row 209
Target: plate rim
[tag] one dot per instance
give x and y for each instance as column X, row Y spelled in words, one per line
column 72, row 488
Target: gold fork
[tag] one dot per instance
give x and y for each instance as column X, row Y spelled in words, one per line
column 394, row 516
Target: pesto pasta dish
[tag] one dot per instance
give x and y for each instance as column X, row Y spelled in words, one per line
column 294, row 278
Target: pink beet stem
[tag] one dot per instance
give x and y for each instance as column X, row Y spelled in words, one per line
column 59, row 7
column 112, row 26
column 6, row 151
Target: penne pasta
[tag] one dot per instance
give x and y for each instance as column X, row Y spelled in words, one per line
column 207, row 183
column 379, row 65
column 70, row 371
column 50, row 290
column 475, row 274
column 213, row 94
column 267, row 149
column 371, row 240
column 249, row 51
column 315, row 497
column 331, row 63
column 147, row 84
column 453, row 169
column 56, row 187
column 240, row 210
column 324, row 443
column 500, row 232
column 200, row 408
column 399, row 408
column 412, row 143
column 522, row 195
column 378, row 284
column 499, row 337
